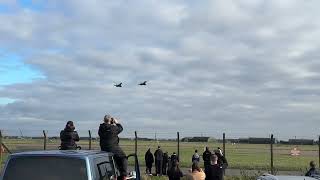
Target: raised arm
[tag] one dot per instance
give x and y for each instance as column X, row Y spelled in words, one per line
column 120, row 128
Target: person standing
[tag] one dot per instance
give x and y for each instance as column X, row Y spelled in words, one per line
column 206, row 159
column 158, row 155
column 174, row 158
column 68, row 137
column 174, row 173
column 195, row 157
column 222, row 161
column 165, row 163
column 196, row 172
column 149, row 161
column 214, row 171
column 109, row 142
column 312, row 171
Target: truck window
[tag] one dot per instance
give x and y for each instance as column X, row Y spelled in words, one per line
column 104, row 169
column 48, row 168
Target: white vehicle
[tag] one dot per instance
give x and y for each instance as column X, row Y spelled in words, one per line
column 272, row 177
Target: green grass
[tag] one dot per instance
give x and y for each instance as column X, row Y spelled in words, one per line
column 239, row 156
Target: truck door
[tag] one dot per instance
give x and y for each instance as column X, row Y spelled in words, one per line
column 104, row 168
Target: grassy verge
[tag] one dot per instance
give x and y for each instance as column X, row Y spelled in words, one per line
column 239, row 156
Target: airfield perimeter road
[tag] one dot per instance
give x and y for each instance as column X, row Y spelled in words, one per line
column 233, row 172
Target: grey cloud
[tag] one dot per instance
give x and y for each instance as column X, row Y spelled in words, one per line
column 246, row 68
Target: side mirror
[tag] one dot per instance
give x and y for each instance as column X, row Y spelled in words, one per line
column 132, row 175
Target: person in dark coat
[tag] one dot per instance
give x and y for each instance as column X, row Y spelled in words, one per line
column 206, row 159
column 222, row 161
column 313, row 171
column 214, row 170
column 165, row 163
column 149, row 161
column 109, row 142
column 174, row 157
column 174, row 173
column 158, row 155
column 69, row 137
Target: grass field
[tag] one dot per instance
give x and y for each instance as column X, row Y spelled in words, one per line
column 239, row 156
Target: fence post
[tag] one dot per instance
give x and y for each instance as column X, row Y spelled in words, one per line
column 271, row 151
column 178, row 140
column 224, row 144
column 136, row 143
column 0, row 149
column 44, row 140
column 319, row 149
column 90, row 139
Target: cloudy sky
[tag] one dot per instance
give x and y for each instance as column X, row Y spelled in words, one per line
column 247, row 68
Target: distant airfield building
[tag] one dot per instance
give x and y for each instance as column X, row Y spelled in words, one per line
column 195, row 139
column 301, row 141
column 255, row 140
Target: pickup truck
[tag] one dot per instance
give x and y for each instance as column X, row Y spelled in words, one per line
column 64, row 165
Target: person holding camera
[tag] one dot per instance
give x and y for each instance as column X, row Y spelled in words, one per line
column 68, row 137
column 109, row 142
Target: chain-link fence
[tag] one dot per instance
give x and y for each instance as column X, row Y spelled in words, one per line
column 267, row 154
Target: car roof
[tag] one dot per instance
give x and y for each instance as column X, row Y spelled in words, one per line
column 63, row 153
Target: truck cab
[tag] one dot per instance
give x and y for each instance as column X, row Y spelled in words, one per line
column 61, row 165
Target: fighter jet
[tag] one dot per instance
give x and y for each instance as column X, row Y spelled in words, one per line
column 144, row 83
column 118, row 85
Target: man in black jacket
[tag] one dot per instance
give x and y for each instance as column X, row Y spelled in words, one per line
column 214, row 170
column 109, row 142
column 68, row 137
column 158, row 155
column 206, row 158
column 148, row 157
column 165, row 163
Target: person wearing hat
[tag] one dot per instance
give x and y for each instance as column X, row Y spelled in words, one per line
column 109, row 142
column 68, row 137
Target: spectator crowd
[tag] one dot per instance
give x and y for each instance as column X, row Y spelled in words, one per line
column 214, row 164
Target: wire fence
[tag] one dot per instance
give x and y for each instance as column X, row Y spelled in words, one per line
column 264, row 153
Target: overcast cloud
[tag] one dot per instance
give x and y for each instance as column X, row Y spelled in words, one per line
column 247, row 68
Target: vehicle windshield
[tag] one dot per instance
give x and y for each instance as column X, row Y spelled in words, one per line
column 46, row 168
